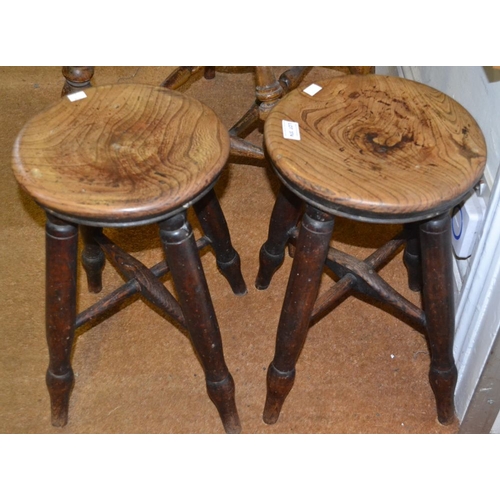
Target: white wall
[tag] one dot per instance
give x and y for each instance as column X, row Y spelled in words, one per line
column 496, row 426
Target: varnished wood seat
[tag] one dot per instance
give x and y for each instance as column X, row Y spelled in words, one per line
column 128, row 155
column 377, row 149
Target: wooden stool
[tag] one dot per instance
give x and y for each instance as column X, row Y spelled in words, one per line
column 129, row 155
column 377, row 149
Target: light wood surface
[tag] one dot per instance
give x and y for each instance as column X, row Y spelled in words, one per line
column 122, row 153
column 375, row 146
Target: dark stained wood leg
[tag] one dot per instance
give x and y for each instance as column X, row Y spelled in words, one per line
column 93, row 258
column 61, row 264
column 284, row 218
column 209, row 72
column 77, row 78
column 411, row 257
column 214, row 225
column 302, row 290
column 439, row 307
column 191, row 286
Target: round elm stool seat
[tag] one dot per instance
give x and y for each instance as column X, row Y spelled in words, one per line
column 375, row 149
column 121, row 156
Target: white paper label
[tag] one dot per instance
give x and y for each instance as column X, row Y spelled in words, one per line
column 291, row 130
column 77, row 96
column 312, row 89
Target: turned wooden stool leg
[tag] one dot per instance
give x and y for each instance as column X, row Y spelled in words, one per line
column 439, row 307
column 77, row 78
column 93, row 258
column 301, row 293
column 284, row 217
column 61, row 263
column 268, row 90
column 191, row 286
column 411, row 257
column 214, row 225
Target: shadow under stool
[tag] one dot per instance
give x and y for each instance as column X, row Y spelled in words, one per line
column 123, row 156
column 375, row 149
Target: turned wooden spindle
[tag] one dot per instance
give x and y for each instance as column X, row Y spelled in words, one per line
column 268, row 90
column 61, row 249
column 76, row 78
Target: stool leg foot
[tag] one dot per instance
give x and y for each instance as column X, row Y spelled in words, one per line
column 59, row 389
column 191, row 286
column 61, row 258
column 439, row 307
column 305, row 277
column 284, row 218
column 214, row 225
column 93, row 258
column 222, row 396
column 411, row 258
column 443, row 385
column 279, row 384
column 209, row 72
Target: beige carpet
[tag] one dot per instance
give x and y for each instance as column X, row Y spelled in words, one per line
column 361, row 370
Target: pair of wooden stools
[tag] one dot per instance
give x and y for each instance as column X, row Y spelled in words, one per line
column 369, row 148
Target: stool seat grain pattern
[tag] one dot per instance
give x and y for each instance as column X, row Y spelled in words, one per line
column 97, row 158
column 377, row 147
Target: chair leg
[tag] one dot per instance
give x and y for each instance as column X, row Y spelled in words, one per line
column 268, row 90
column 93, row 258
column 303, row 285
column 61, row 264
column 411, row 258
column 76, row 78
column 214, row 225
column 209, row 72
column 439, row 307
column 284, row 217
column 191, row 286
